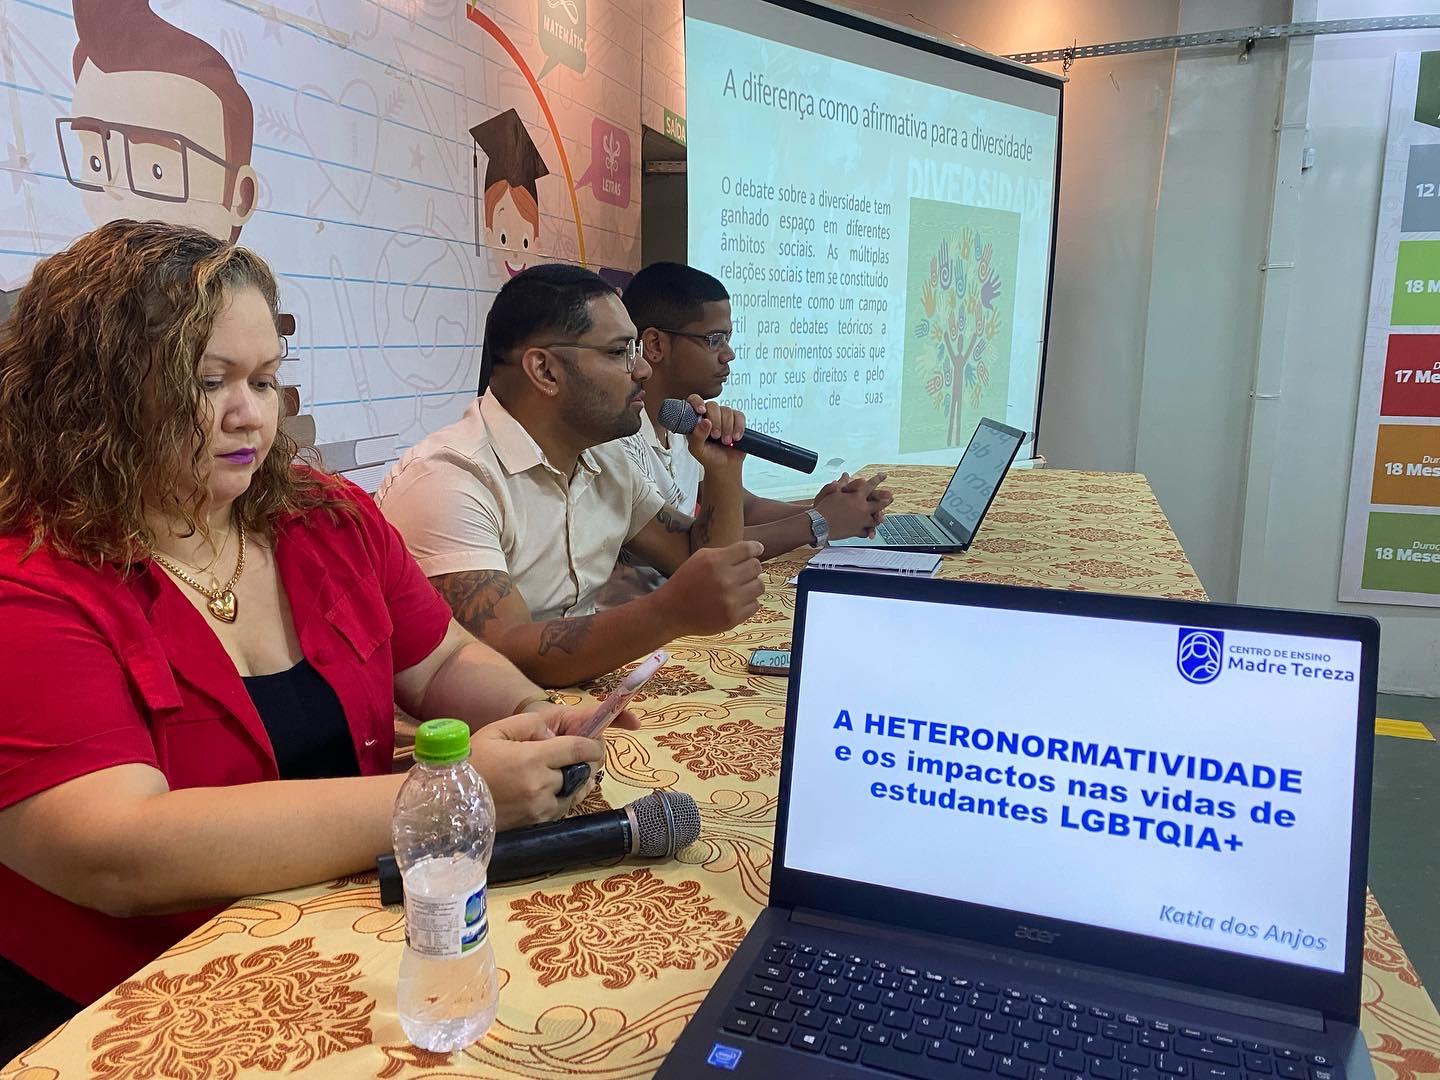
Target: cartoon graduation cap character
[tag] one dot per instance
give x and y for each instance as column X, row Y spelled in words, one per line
column 512, row 203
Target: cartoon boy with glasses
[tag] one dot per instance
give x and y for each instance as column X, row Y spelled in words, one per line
column 161, row 126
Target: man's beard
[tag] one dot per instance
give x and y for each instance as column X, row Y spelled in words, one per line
column 586, row 412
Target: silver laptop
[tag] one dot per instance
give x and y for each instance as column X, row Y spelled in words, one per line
column 1045, row 835
column 967, row 497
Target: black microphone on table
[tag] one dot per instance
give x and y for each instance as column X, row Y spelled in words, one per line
column 656, row 826
column 680, row 417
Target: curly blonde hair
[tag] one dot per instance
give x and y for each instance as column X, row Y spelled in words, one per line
column 102, row 414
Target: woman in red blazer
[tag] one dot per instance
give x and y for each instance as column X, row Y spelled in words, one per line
column 201, row 640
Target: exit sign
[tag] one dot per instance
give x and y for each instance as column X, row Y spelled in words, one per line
column 675, row 127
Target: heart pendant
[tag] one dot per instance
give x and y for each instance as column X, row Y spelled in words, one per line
column 223, row 607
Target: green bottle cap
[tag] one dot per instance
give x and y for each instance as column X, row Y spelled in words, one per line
column 442, row 742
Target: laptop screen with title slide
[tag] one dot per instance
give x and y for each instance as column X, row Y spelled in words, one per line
column 1189, row 784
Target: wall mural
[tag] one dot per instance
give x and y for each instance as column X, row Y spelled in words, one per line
column 395, row 164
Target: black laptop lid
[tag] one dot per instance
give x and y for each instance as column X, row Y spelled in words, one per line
column 1175, row 789
column 977, row 478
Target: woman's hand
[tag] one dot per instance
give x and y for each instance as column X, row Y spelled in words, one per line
column 520, row 758
column 573, row 719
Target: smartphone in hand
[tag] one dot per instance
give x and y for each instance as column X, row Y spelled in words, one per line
column 620, row 697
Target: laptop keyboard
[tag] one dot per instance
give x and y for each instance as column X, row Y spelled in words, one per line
column 931, row 1024
column 908, row 529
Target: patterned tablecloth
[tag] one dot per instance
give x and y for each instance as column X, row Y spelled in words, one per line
column 600, row 969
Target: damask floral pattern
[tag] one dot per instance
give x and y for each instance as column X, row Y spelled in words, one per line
column 737, row 839
column 278, row 1009
column 1110, row 536
column 590, row 1040
column 1102, row 569
column 1407, row 1063
column 622, row 928
column 670, row 681
column 1382, row 947
column 400, row 1059
column 1172, row 556
column 1092, row 508
column 1029, row 494
column 602, row 965
column 739, row 748
column 1102, row 489
column 1009, row 545
column 998, row 579
column 595, row 802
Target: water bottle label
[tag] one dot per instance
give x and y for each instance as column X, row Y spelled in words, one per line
column 446, row 926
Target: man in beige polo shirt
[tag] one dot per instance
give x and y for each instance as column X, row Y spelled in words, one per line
column 517, row 512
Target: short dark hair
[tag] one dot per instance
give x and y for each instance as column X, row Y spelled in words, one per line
column 552, row 299
column 668, row 294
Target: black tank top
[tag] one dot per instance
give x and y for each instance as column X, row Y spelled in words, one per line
column 305, row 722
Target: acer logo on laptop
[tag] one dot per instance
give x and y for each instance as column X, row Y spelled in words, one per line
column 1033, row 933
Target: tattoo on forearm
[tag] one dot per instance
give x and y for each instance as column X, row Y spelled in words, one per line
column 700, row 530
column 565, row 634
column 474, row 595
column 673, row 522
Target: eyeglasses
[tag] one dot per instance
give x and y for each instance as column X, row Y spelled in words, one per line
column 157, row 162
column 628, row 353
column 714, row 341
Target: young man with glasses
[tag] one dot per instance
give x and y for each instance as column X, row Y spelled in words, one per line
column 518, row 512
column 683, row 315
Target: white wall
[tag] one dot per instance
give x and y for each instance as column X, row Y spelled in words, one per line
column 1295, row 560
column 1113, row 144
column 1205, row 287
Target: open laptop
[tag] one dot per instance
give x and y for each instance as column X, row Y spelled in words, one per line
column 1038, row 834
column 967, row 497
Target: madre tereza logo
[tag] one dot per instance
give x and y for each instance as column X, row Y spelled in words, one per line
column 1200, row 654
column 1200, row 657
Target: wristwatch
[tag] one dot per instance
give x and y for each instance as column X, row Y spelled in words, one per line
column 819, row 528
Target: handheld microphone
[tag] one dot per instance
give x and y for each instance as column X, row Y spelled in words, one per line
column 680, row 417
column 655, row 826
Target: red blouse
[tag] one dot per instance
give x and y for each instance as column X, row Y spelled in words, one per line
column 98, row 670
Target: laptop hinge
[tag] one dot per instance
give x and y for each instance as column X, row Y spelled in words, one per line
column 1031, row 964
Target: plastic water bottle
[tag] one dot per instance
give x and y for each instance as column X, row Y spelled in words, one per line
column 444, row 832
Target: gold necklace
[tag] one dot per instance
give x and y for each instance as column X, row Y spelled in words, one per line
column 209, row 567
column 223, row 604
